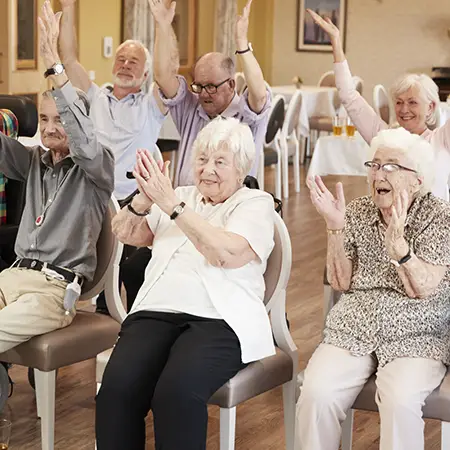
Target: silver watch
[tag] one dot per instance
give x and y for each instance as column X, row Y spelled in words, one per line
column 56, row 69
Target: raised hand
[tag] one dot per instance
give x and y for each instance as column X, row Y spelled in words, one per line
column 154, row 181
column 326, row 24
column 242, row 26
column 395, row 243
column 331, row 208
column 49, row 33
column 162, row 14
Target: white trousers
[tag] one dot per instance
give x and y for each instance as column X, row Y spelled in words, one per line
column 333, row 380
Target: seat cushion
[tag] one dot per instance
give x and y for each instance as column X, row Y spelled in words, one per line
column 437, row 405
column 258, row 377
column 321, row 123
column 87, row 336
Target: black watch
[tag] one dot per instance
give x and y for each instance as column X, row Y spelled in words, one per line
column 179, row 209
column 56, row 69
column 403, row 260
column 248, row 49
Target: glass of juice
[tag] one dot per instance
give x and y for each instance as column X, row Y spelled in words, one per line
column 350, row 128
column 337, row 126
column 5, row 433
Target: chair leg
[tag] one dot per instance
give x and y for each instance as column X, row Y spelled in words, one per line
column 297, row 165
column 289, row 412
column 283, row 151
column 347, row 431
column 445, row 435
column 45, row 393
column 227, row 428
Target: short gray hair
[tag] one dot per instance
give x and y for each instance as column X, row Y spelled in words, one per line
column 234, row 136
column 148, row 58
column 418, row 150
column 428, row 89
column 81, row 95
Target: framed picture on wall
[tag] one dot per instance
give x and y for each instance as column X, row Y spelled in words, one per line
column 310, row 37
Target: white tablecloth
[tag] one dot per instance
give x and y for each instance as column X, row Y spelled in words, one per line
column 316, row 101
column 339, row 155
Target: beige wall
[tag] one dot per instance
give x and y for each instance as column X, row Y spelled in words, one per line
column 98, row 18
column 385, row 38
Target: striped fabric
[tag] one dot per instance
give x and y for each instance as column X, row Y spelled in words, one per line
column 10, row 127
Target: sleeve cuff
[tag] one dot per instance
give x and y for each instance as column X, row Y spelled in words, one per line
column 65, row 96
column 179, row 97
column 249, row 114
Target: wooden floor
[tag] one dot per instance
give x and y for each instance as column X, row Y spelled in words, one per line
column 259, row 421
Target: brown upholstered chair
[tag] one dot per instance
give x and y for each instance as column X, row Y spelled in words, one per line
column 437, row 405
column 268, row 373
column 87, row 336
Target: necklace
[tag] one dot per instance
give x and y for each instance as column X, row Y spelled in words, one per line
column 45, row 206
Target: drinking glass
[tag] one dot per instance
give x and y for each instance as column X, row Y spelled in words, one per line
column 337, row 126
column 350, row 128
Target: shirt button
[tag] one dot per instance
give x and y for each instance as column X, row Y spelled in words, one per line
column 32, row 246
column 55, row 97
column 63, row 122
column 53, row 176
column 49, row 200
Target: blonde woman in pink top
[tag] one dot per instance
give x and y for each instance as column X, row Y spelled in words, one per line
column 416, row 102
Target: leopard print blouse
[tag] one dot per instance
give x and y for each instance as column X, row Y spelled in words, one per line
column 375, row 315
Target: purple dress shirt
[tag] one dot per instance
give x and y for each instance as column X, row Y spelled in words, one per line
column 190, row 117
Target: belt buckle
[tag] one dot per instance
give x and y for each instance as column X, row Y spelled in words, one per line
column 33, row 264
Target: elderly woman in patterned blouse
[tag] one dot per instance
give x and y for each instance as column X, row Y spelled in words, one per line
column 390, row 255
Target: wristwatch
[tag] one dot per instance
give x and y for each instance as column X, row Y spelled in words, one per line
column 179, row 209
column 403, row 260
column 56, row 69
column 248, row 49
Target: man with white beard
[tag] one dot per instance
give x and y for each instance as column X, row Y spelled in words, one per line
column 125, row 117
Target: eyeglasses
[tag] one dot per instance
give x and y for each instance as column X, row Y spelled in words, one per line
column 387, row 168
column 209, row 88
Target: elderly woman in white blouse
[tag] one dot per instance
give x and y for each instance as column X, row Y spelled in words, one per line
column 389, row 253
column 416, row 101
column 199, row 317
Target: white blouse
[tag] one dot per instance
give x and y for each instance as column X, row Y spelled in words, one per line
column 178, row 278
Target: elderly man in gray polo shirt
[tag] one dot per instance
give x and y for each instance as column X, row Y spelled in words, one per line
column 67, row 194
column 213, row 90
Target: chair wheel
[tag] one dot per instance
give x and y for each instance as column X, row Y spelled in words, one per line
column 4, row 387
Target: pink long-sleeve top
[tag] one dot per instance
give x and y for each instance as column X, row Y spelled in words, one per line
column 368, row 123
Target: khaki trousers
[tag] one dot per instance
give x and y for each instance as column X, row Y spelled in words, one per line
column 31, row 303
column 333, row 380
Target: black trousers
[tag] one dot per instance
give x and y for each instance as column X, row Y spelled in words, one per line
column 132, row 273
column 171, row 364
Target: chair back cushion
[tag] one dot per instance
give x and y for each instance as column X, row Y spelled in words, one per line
column 276, row 119
column 274, row 266
column 25, row 111
column 107, row 247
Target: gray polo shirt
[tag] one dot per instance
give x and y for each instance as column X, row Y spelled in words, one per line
column 74, row 193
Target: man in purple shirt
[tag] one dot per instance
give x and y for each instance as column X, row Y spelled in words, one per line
column 213, row 90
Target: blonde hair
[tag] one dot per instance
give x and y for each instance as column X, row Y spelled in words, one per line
column 418, row 150
column 428, row 89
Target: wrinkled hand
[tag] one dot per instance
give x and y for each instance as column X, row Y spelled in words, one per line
column 395, row 243
column 49, row 33
column 331, row 208
column 154, row 181
column 162, row 14
column 242, row 27
column 326, row 24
